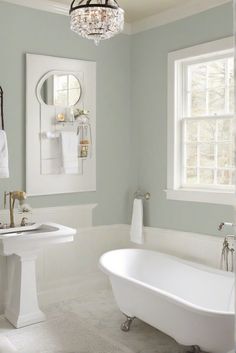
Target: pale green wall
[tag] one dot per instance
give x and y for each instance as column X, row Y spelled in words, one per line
column 149, row 116
column 23, row 30
column 131, row 148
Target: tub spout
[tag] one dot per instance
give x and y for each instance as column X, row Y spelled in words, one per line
column 225, row 224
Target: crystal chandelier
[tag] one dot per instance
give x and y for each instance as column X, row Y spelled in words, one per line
column 96, row 19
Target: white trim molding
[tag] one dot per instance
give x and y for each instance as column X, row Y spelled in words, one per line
column 213, row 197
column 176, row 13
column 179, row 12
column 43, row 5
column 55, row 7
column 175, row 188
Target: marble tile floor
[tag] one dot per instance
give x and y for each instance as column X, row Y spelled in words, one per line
column 99, row 312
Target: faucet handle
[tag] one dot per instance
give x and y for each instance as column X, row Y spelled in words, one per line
column 24, row 221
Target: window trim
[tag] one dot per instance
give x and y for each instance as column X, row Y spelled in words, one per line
column 174, row 190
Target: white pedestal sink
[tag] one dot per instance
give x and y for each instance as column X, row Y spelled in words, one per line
column 22, row 248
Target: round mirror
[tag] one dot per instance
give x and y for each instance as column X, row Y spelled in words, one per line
column 61, row 90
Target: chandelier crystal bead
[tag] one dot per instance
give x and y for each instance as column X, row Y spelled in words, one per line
column 96, row 19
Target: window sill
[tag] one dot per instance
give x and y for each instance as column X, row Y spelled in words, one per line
column 206, row 196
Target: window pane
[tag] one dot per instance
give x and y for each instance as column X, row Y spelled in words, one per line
column 191, row 154
column 198, row 77
column 216, row 101
column 207, row 155
column 207, row 130
column 191, row 177
column 216, row 74
column 209, row 142
column 198, row 103
column 224, row 177
column 206, row 176
column 191, row 130
column 225, row 155
column 224, row 130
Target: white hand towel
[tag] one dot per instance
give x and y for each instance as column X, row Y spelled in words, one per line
column 69, row 148
column 4, row 167
column 136, row 232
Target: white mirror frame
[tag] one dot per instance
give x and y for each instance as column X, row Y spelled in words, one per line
column 38, row 66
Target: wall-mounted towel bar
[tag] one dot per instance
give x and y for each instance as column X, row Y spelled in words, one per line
column 139, row 195
column 51, row 135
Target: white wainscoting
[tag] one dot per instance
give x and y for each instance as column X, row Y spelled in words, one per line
column 201, row 248
column 66, row 270
column 54, row 265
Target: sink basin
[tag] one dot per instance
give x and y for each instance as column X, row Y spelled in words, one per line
column 28, row 230
column 20, row 229
column 20, row 242
column 21, row 248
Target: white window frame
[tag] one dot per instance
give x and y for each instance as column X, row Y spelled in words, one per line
column 175, row 81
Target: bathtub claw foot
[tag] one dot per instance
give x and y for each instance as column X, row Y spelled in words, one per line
column 125, row 327
column 195, row 349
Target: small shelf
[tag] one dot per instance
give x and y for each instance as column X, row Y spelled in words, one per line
column 70, row 123
column 65, row 123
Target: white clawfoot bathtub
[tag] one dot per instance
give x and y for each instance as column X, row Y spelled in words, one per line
column 192, row 303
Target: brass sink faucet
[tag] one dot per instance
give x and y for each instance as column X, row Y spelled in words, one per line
column 13, row 196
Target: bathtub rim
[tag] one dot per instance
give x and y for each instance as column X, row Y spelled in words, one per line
column 168, row 296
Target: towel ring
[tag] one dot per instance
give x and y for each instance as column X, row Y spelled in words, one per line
column 139, row 195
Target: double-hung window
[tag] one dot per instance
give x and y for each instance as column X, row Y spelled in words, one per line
column 201, row 148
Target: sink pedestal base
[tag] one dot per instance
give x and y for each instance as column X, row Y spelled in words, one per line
column 22, row 307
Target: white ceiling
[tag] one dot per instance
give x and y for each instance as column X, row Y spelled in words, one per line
column 141, row 15
column 136, row 10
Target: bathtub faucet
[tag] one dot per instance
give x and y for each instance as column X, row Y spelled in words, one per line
column 227, row 254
